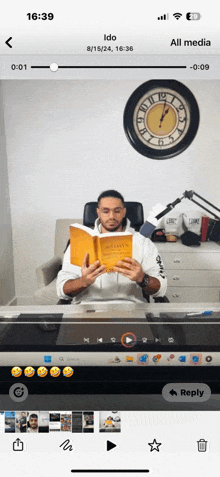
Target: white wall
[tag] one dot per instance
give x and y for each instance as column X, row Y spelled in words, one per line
column 66, row 143
column 7, row 289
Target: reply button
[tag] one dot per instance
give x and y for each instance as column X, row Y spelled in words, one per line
column 186, row 392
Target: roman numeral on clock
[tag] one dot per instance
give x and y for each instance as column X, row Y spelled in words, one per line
column 151, row 100
column 143, row 108
column 142, row 131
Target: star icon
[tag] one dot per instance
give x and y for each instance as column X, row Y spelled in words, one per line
column 154, row 445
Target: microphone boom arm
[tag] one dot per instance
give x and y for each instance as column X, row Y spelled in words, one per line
column 149, row 226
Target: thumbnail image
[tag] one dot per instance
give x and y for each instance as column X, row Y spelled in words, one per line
column 32, row 422
column 54, row 421
column 10, row 421
column 2, row 422
column 65, row 420
column 88, row 421
column 76, row 421
column 43, row 421
column 109, row 421
column 21, row 421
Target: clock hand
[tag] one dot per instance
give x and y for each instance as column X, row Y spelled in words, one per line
column 163, row 116
column 165, row 112
column 161, row 119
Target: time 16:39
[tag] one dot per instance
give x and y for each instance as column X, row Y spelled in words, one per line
column 40, row 16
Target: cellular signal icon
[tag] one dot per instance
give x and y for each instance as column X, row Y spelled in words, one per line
column 164, row 17
column 177, row 15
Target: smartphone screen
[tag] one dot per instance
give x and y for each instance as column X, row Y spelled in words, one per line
column 109, row 127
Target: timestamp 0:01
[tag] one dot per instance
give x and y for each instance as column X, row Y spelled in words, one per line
column 18, row 67
column 200, row 67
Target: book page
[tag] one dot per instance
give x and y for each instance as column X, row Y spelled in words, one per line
column 86, row 229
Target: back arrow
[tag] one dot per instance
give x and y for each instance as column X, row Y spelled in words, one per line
column 7, row 42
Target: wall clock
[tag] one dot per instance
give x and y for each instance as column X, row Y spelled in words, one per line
column 161, row 118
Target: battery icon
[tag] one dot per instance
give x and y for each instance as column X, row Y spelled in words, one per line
column 193, row 16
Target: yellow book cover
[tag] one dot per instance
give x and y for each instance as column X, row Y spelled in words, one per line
column 112, row 248
column 108, row 248
column 82, row 241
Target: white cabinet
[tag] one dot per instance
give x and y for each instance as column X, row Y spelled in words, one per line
column 193, row 273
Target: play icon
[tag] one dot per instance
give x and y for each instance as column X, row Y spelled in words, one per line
column 110, row 445
column 128, row 339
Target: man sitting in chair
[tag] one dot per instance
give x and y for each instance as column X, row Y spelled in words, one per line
column 132, row 277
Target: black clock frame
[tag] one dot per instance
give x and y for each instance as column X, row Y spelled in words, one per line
column 129, row 113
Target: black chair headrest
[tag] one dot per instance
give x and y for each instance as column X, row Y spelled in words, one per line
column 134, row 213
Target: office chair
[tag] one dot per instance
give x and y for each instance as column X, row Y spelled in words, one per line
column 135, row 213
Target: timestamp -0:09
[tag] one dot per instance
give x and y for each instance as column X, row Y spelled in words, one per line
column 200, row 67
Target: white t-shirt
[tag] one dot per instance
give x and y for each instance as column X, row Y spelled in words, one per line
column 114, row 286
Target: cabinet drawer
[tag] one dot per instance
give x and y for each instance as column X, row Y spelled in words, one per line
column 192, row 295
column 193, row 278
column 191, row 261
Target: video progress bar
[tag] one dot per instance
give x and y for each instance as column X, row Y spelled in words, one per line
column 112, row 67
column 92, row 471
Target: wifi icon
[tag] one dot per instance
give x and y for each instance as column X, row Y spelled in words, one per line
column 177, row 15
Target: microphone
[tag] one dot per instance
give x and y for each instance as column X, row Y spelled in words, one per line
column 157, row 212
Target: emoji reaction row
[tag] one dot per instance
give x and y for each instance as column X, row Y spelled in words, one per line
column 42, row 371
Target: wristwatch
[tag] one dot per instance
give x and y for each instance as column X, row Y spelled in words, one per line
column 144, row 282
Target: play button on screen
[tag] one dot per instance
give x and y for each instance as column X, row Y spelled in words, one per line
column 128, row 340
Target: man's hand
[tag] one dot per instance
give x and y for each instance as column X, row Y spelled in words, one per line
column 130, row 268
column 91, row 272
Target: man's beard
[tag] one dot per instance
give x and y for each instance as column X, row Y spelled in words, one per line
column 112, row 228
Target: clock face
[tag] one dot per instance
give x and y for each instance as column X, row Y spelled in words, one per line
column 161, row 118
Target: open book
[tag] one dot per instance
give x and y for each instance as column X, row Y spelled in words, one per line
column 108, row 248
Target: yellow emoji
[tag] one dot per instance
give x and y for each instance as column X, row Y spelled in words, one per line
column 68, row 371
column 29, row 371
column 16, row 371
column 42, row 371
column 55, row 371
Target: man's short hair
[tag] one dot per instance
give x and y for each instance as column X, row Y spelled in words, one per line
column 111, row 193
column 33, row 416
